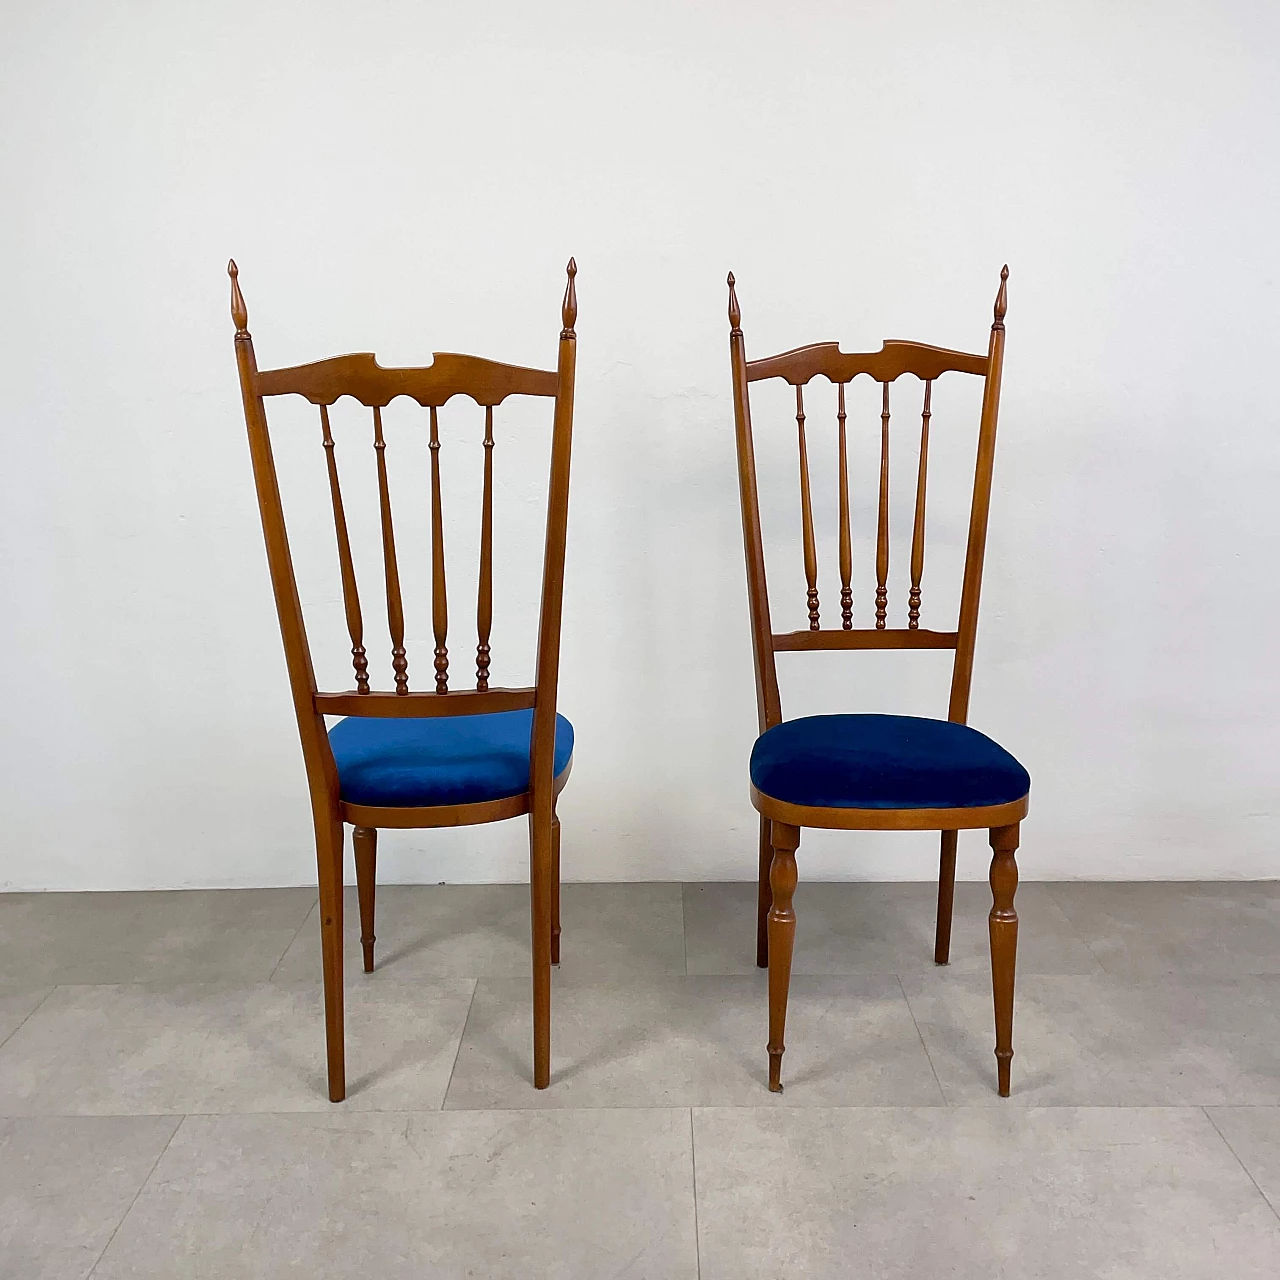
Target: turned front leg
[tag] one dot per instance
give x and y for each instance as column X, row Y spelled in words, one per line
column 1004, row 943
column 785, row 841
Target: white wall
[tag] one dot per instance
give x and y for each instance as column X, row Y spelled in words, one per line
column 407, row 177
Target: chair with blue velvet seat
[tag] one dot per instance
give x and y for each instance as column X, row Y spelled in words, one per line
column 875, row 772
column 441, row 757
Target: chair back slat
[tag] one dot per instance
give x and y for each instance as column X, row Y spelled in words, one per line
column 439, row 591
column 917, row 530
column 846, row 537
column 484, row 591
column 390, row 566
column 457, row 702
column 806, row 509
column 894, row 360
column 350, row 592
column 882, row 517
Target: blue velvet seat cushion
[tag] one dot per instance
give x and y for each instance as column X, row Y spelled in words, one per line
column 438, row 759
column 884, row 762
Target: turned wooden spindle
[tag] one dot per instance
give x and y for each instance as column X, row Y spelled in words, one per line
column 806, row 513
column 1003, row 922
column 917, row 532
column 782, row 934
column 390, row 567
column 846, row 538
column 439, row 596
column 735, row 311
column 882, row 522
column 1002, row 299
column 484, row 593
column 350, row 594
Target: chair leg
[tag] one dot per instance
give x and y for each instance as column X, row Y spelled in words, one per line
column 365, row 840
column 764, row 898
column 541, row 843
column 555, row 888
column 329, row 842
column 946, row 898
column 1004, row 943
column 785, row 841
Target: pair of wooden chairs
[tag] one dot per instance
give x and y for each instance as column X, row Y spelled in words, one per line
column 452, row 757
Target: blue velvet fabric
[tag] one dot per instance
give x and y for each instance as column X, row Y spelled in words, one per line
column 884, row 762
column 439, row 759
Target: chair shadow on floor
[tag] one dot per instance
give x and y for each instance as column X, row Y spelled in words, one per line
column 519, row 936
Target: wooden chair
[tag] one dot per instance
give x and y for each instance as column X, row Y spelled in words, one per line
column 870, row 772
column 439, row 758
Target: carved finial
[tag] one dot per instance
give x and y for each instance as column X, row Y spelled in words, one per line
column 569, row 311
column 1002, row 298
column 239, row 312
column 735, row 312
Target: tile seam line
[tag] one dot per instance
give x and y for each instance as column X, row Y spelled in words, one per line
column 35, row 1008
column 462, row 1035
column 693, row 1169
column 339, row 1109
column 182, row 1119
column 911, row 1013
column 297, row 933
column 684, row 936
column 1097, row 959
column 1208, row 1115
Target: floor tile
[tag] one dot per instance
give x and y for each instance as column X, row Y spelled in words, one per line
column 1102, row 1041
column 694, row 1041
column 877, row 928
column 977, row 1194
column 16, row 1005
column 581, row 1196
column 474, row 930
column 1253, row 1133
column 129, row 1050
column 191, row 935
column 65, row 1185
column 1146, row 929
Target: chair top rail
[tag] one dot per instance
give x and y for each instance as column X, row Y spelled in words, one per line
column 894, row 358
column 487, row 382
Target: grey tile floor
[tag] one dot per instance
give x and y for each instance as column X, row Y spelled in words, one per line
column 163, row 1112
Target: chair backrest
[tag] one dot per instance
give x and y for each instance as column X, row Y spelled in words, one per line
column 885, row 366
column 360, row 376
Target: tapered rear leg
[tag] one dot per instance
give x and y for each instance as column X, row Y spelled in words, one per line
column 365, row 840
column 1004, row 943
column 764, row 897
column 555, row 887
column 785, row 840
column 541, row 843
column 329, row 840
column 946, row 897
